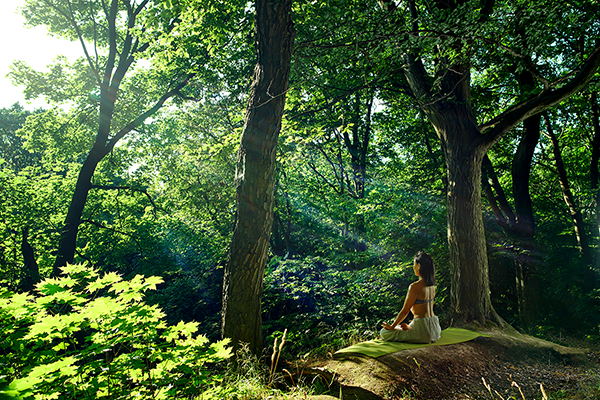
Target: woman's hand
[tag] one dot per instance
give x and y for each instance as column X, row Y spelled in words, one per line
column 387, row 326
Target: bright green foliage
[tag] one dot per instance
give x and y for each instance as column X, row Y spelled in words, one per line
column 33, row 198
column 12, row 151
column 87, row 335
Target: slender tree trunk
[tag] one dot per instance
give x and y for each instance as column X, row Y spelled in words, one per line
column 576, row 216
column 32, row 271
column 528, row 286
column 500, row 207
column 68, row 238
column 491, row 198
column 527, row 282
column 594, row 173
column 358, row 146
column 521, row 171
column 255, row 176
column 282, row 229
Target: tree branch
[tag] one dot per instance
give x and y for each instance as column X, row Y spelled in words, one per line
column 546, row 99
column 133, row 189
column 99, row 225
column 112, row 44
column 140, row 120
column 79, row 35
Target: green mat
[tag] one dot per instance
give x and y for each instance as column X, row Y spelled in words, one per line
column 378, row 347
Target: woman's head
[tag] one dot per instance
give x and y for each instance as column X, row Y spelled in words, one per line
column 427, row 269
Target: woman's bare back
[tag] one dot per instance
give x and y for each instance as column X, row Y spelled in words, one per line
column 425, row 294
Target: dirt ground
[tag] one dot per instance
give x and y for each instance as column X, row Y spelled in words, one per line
column 511, row 365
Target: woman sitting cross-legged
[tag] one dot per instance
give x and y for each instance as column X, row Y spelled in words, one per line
column 425, row 327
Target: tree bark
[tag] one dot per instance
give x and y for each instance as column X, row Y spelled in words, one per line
column 456, row 128
column 466, row 238
column 527, row 282
column 255, row 176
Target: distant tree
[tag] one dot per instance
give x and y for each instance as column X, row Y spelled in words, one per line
column 12, row 152
column 113, row 35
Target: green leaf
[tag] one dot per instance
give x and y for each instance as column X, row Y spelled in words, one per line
column 152, row 281
column 50, row 286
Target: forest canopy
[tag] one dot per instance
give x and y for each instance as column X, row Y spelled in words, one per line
column 279, row 163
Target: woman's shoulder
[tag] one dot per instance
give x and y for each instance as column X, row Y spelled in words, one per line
column 418, row 284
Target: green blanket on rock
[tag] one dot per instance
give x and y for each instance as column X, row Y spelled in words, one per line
column 378, row 347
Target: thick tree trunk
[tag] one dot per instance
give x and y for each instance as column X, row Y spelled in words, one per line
column 255, row 176
column 456, row 127
column 466, row 238
column 464, row 150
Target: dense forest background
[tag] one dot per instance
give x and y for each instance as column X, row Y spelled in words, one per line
column 361, row 175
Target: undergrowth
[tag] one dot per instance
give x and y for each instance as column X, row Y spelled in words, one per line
column 328, row 308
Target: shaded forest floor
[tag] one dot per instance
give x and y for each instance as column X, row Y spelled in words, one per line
column 513, row 365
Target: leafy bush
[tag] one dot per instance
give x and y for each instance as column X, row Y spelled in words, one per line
column 89, row 336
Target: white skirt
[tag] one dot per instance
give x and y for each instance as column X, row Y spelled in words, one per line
column 422, row 330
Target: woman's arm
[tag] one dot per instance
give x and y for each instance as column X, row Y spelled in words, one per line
column 411, row 297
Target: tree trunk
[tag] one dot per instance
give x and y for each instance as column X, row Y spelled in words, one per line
column 576, row 216
column 115, row 68
column 358, row 147
column 526, row 280
column 68, row 238
column 528, row 288
column 594, row 173
column 281, row 234
column 500, row 207
column 31, row 269
column 527, row 283
column 466, row 236
column 255, row 176
column 521, row 171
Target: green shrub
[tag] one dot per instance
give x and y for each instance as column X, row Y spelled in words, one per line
column 89, row 336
